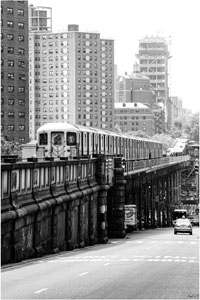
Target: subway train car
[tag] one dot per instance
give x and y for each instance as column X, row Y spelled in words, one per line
column 64, row 140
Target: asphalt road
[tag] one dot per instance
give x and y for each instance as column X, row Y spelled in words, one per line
column 152, row 264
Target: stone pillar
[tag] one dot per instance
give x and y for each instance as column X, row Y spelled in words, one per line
column 179, row 185
column 81, row 223
column 102, row 200
column 119, row 199
column 141, row 200
column 168, row 200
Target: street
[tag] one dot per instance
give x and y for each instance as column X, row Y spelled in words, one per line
column 151, row 264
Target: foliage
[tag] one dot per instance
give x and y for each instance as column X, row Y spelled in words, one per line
column 118, row 129
column 10, row 147
column 138, row 133
column 187, row 127
column 165, row 139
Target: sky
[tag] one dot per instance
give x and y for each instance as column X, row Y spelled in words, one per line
column 128, row 21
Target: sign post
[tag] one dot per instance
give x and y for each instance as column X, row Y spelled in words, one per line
column 130, row 219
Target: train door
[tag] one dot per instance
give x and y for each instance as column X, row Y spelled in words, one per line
column 85, row 143
column 101, row 143
column 111, row 145
column 57, row 144
column 81, row 144
column 130, row 149
column 114, row 145
column 138, row 149
column 124, row 147
column 142, row 150
column 90, row 143
column 128, row 144
column 119, row 145
column 106, row 144
column 96, row 143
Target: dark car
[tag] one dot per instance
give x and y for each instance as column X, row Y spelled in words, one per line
column 183, row 225
column 195, row 220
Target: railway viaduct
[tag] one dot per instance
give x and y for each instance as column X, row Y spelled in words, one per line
column 52, row 206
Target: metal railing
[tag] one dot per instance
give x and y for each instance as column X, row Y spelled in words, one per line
column 133, row 166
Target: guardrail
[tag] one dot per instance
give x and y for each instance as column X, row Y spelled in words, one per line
column 23, row 178
column 133, row 166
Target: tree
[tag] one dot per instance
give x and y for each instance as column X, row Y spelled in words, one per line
column 192, row 128
column 187, row 127
column 138, row 133
column 165, row 139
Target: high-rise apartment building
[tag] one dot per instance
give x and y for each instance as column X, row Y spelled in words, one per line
column 14, row 71
column 153, row 62
column 40, row 18
column 72, row 78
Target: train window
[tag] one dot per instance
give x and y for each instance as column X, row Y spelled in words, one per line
column 57, row 138
column 43, row 139
column 71, row 138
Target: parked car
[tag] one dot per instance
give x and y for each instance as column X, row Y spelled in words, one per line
column 183, row 225
column 195, row 220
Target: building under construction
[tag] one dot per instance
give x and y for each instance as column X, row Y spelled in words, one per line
column 153, row 62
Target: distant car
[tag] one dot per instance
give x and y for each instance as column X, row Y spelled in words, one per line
column 191, row 217
column 183, row 225
column 195, row 220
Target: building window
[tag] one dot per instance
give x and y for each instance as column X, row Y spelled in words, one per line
column 20, row 12
column 20, row 25
column 21, row 64
column 21, row 140
column 11, row 114
column 21, row 51
column 10, row 89
column 21, row 114
column 11, row 127
column 10, row 76
column 10, row 23
column 9, row 10
column 21, row 127
column 10, row 37
column 21, row 102
column 21, row 89
column 20, row 38
column 10, row 63
column 10, row 50
column 10, row 101
column 22, row 77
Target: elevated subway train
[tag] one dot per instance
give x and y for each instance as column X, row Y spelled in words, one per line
column 64, row 140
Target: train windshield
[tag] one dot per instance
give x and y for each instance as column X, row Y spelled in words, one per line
column 43, row 139
column 57, row 138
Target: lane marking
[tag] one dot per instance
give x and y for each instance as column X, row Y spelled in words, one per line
column 106, row 264
column 40, row 291
column 82, row 274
